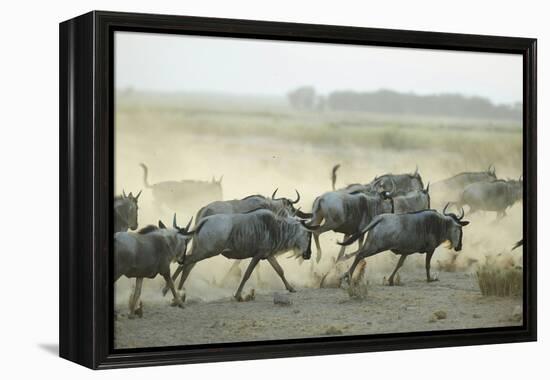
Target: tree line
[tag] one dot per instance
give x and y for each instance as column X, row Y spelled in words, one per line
column 387, row 101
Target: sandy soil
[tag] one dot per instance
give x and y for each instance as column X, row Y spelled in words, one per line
column 318, row 312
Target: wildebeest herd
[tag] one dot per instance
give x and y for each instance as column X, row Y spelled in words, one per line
column 393, row 212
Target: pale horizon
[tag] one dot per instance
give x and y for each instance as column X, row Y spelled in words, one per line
column 244, row 67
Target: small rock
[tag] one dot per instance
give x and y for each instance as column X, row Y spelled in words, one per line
column 282, row 299
column 440, row 314
column 296, row 311
column 477, row 316
column 333, row 331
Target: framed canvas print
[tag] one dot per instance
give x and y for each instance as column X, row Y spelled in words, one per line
column 236, row 189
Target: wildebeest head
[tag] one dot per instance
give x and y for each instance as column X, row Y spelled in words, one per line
column 454, row 228
column 182, row 237
column 398, row 183
column 128, row 209
column 288, row 205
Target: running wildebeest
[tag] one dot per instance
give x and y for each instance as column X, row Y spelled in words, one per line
column 347, row 213
column 126, row 212
column 148, row 253
column 257, row 235
column 279, row 206
column 492, row 196
column 405, row 234
column 415, row 200
column 398, row 183
column 183, row 194
column 450, row 189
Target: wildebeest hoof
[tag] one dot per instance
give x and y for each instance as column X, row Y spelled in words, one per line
column 177, row 302
column 433, row 279
column 292, row 290
column 238, row 298
column 139, row 310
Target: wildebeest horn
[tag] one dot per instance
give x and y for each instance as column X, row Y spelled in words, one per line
column 161, row 225
column 461, row 213
column 138, row 194
column 174, row 223
column 274, row 193
column 188, row 225
column 416, row 170
column 123, row 193
column 445, row 208
column 428, row 188
column 297, row 197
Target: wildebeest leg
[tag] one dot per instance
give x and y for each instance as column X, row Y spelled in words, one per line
column 135, row 298
column 428, row 260
column 273, row 261
column 343, row 248
column 399, row 264
column 185, row 274
column 317, row 246
column 246, row 276
column 177, row 301
column 349, row 274
column 174, row 278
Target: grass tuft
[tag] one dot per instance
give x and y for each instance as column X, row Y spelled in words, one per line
column 498, row 281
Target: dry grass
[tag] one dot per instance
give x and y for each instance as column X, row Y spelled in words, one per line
column 499, row 281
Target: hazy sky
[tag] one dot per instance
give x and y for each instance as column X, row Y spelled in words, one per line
column 162, row 62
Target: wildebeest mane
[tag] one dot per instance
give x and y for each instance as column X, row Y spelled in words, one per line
column 252, row 196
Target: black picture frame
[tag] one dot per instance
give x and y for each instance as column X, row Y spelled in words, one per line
column 86, row 107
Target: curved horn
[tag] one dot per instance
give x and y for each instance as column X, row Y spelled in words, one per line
column 445, row 208
column 297, row 197
column 416, row 170
column 392, row 187
column 274, row 193
column 461, row 213
column 138, row 194
column 123, row 193
column 174, row 223
column 188, row 225
column 428, row 188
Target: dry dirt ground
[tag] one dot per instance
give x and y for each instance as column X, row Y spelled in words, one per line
column 317, row 312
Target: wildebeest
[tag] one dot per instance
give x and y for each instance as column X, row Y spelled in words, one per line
column 450, row 189
column 183, row 194
column 398, row 183
column 257, row 235
column 405, row 234
column 415, row 200
column 281, row 206
column 347, row 213
column 126, row 212
column 148, row 253
column 492, row 196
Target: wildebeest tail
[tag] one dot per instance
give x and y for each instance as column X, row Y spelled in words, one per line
column 518, row 244
column 145, row 174
column 357, row 235
column 333, row 176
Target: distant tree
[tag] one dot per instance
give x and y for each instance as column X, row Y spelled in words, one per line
column 302, row 97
